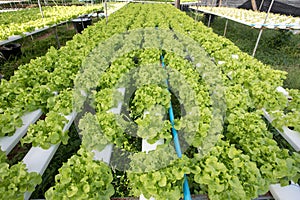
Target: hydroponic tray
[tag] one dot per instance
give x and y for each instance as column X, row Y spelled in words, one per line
column 26, row 34
column 243, row 17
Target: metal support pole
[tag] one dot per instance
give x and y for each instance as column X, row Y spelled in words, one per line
column 261, row 4
column 105, row 5
column 56, row 37
column 261, row 29
column 225, row 28
column 209, row 18
column 41, row 10
column 54, row 2
column 177, row 4
column 196, row 15
column 82, row 24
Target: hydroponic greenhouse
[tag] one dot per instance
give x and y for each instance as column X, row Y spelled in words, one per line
column 150, row 100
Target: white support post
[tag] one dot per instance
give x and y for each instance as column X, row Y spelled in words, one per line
column 56, row 37
column 261, row 29
column 196, row 14
column 105, row 6
column 41, row 10
column 225, row 28
column 209, row 19
column 262, row 3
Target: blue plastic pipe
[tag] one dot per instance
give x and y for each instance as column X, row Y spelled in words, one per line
column 174, row 132
column 186, row 188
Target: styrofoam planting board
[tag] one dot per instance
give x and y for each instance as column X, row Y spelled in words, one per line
column 7, row 143
column 143, row 198
column 290, row 192
column 71, row 118
column 146, row 147
column 105, row 154
column 292, row 137
column 38, row 159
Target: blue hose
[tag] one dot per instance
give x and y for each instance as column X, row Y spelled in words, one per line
column 186, row 188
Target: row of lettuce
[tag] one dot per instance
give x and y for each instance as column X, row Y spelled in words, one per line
column 239, row 163
column 28, row 20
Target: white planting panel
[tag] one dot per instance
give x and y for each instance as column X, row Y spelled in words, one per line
column 9, row 142
column 38, row 159
column 143, row 198
column 290, row 192
column 146, row 147
column 292, row 137
column 105, row 154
